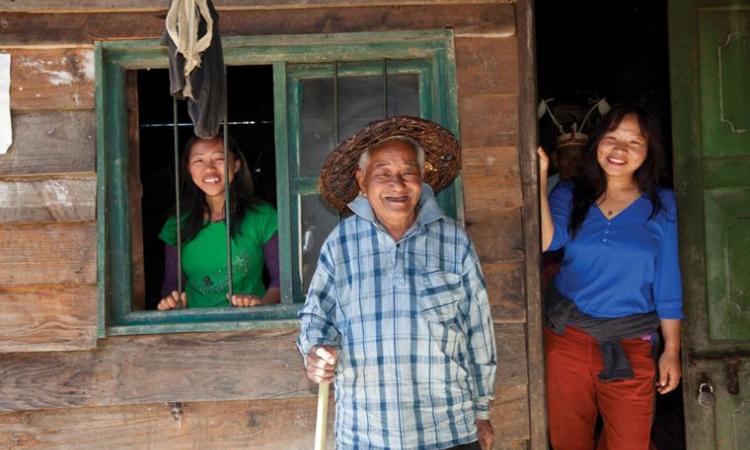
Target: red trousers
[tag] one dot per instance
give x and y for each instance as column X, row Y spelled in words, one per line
column 575, row 396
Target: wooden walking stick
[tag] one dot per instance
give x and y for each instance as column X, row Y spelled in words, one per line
column 322, row 419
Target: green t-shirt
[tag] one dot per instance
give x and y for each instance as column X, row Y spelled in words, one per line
column 204, row 258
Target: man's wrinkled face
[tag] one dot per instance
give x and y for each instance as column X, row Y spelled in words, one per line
column 392, row 183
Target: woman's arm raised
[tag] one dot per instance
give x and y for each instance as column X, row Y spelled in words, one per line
column 548, row 226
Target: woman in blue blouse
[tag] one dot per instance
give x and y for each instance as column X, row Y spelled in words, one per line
column 619, row 281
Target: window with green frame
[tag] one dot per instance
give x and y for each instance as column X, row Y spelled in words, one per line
column 325, row 88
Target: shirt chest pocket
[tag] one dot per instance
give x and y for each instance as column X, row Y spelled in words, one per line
column 439, row 297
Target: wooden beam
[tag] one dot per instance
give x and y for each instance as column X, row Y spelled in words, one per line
column 135, row 190
column 491, row 177
column 43, row 29
column 496, row 233
column 60, row 78
column 47, row 318
column 67, row 6
column 50, row 253
column 486, row 65
column 510, row 444
column 193, row 367
column 51, row 142
column 510, row 340
column 527, row 143
column 261, row 425
column 49, row 199
column 488, row 120
column 181, row 367
column 510, row 410
column 505, row 289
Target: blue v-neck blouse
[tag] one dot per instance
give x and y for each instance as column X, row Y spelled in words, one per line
column 621, row 266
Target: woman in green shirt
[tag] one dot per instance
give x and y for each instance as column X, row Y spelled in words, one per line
column 204, row 257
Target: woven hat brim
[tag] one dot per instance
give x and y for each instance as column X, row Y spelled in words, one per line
column 338, row 185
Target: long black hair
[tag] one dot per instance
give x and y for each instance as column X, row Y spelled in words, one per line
column 592, row 184
column 193, row 200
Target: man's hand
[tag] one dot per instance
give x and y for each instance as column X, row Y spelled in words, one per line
column 321, row 363
column 172, row 301
column 486, row 434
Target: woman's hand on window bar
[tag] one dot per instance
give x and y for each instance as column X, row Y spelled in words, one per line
column 172, row 301
column 245, row 301
column 273, row 295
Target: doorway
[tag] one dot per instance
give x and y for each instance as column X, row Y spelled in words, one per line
column 588, row 51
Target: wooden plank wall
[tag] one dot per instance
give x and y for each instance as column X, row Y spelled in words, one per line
column 47, row 199
column 221, row 5
column 261, row 424
column 487, row 98
column 54, row 398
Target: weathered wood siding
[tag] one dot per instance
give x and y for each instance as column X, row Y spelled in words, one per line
column 487, row 100
column 240, row 389
column 58, row 78
column 47, row 202
column 261, row 424
column 223, row 5
column 83, row 29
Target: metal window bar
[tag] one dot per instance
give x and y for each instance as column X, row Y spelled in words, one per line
column 176, row 140
column 336, row 103
column 336, row 113
column 178, row 212
column 227, row 210
column 385, row 87
column 190, row 124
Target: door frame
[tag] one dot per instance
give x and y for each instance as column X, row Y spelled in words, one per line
column 686, row 137
column 527, row 145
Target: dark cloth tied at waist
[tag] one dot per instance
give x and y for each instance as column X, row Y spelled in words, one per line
column 562, row 312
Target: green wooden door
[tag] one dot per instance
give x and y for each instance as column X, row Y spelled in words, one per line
column 710, row 71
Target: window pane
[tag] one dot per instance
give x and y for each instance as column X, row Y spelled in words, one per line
column 316, row 124
column 403, row 95
column 360, row 102
column 318, row 219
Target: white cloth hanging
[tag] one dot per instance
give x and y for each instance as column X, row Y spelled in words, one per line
column 182, row 23
column 6, row 130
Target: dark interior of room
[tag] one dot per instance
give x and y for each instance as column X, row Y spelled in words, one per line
column 588, row 50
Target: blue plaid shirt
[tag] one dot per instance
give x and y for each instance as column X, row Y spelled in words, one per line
column 412, row 325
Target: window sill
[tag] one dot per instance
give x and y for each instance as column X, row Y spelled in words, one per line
column 206, row 320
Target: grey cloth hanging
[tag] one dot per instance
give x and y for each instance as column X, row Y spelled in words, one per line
column 205, row 86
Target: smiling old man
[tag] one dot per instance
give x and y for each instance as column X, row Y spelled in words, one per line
column 397, row 314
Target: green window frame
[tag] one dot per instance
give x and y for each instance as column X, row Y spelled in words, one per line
column 427, row 53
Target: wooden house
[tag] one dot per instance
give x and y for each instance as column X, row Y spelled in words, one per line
column 84, row 366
